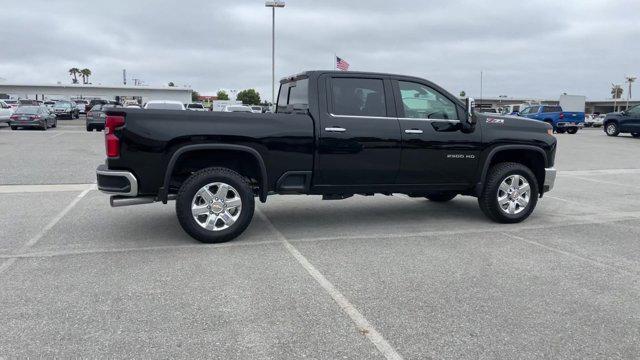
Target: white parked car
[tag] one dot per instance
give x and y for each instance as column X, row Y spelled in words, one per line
column 196, row 107
column 82, row 105
column 164, row 105
column 237, row 108
column 5, row 111
column 598, row 120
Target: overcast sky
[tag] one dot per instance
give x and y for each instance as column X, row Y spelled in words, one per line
column 525, row 48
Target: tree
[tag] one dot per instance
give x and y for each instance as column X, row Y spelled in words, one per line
column 195, row 96
column 171, row 84
column 249, row 97
column 74, row 72
column 463, row 94
column 222, row 95
column 616, row 91
column 85, row 75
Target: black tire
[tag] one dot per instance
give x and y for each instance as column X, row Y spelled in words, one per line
column 572, row 130
column 55, row 123
column 198, row 180
column 441, row 196
column 488, row 199
column 611, row 128
column 561, row 131
column 89, row 128
column 14, row 128
column 44, row 126
column 635, row 135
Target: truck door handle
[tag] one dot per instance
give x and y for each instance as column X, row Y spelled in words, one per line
column 335, row 129
column 413, row 131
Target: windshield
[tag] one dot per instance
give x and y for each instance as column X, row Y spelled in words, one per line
column 62, row 105
column 28, row 110
column 195, row 106
column 163, row 106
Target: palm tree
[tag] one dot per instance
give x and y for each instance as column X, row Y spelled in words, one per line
column 85, row 75
column 616, row 91
column 74, row 72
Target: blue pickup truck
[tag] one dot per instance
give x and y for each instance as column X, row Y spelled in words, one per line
column 562, row 121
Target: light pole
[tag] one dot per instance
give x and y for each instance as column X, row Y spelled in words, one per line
column 273, row 5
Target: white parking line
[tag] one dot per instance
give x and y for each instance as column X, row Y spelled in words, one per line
column 4, row 266
column 605, row 182
column 570, row 254
column 17, row 189
column 364, row 327
column 598, row 172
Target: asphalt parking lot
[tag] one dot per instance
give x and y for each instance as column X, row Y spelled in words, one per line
column 361, row 278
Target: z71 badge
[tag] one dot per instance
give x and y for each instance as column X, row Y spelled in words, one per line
column 495, row 121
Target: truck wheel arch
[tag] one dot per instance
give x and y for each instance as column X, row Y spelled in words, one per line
column 497, row 151
column 264, row 187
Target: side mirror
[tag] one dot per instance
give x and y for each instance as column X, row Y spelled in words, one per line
column 471, row 114
column 623, row 112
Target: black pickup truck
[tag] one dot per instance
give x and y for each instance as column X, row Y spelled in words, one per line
column 335, row 134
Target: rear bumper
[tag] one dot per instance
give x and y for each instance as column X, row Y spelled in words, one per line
column 27, row 123
column 116, row 182
column 568, row 124
column 549, row 179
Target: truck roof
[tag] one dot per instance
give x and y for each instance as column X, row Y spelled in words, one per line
column 310, row 73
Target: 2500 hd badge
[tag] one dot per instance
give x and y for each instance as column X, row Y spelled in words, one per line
column 333, row 134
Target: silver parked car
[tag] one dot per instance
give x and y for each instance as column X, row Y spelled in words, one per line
column 32, row 116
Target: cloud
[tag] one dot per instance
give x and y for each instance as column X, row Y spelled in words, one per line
column 533, row 48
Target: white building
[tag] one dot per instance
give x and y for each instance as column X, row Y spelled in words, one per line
column 107, row 92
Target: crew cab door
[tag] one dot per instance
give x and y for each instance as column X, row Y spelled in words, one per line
column 359, row 134
column 434, row 149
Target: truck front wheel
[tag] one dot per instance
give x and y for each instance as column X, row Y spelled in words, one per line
column 215, row 205
column 510, row 193
column 572, row 130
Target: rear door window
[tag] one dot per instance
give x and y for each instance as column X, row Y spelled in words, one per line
column 358, row 97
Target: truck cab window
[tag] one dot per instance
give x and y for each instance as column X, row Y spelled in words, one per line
column 358, row 97
column 293, row 95
column 422, row 102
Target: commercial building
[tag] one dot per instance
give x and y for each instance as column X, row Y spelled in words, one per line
column 602, row 106
column 107, row 92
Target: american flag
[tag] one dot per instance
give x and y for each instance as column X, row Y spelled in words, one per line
column 341, row 64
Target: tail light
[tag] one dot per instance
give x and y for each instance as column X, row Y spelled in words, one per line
column 561, row 116
column 111, row 141
column 89, row 114
column 14, row 117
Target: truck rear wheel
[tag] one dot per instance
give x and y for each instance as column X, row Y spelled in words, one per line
column 215, row 205
column 510, row 193
column 572, row 130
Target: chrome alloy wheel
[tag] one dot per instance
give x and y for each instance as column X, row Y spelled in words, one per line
column 216, row 206
column 514, row 194
column 611, row 129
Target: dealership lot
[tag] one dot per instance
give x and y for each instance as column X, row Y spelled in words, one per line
column 357, row 278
